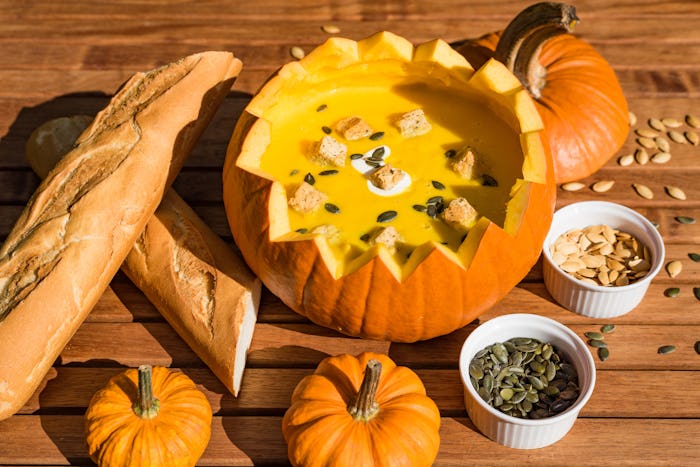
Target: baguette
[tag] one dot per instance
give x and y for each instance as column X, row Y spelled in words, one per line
column 197, row 282
column 83, row 219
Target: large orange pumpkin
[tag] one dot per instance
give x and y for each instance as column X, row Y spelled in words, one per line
column 361, row 411
column 580, row 100
column 437, row 290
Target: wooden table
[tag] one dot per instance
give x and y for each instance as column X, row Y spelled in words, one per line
column 63, row 58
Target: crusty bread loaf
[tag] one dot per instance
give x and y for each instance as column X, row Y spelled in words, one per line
column 198, row 283
column 83, row 219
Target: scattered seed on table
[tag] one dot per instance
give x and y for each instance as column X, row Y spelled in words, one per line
column 662, row 143
column 603, row 353
column 648, row 143
column 641, row 156
column 685, row 219
column 297, row 52
column 675, row 192
column 607, row 328
column 697, row 347
column 598, row 344
column 602, row 186
column 696, row 292
column 661, row 157
column 308, row 178
column 692, row 121
column 692, row 137
column 330, row 29
column 666, row 349
column 656, row 124
column 672, row 292
column 572, row 186
column 626, row 160
column 673, row 268
column 643, row 191
column 671, row 122
column 646, row 133
column 593, row 335
column 632, row 118
column 694, row 256
column 677, row 137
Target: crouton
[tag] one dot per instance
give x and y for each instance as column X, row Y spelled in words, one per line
column 329, row 151
column 330, row 231
column 467, row 163
column 388, row 236
column 386, row 177
column 353, row 128
column 459, row 214
column 307, row 199
column 414, row 123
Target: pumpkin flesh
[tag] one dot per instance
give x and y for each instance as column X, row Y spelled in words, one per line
column 438, row 289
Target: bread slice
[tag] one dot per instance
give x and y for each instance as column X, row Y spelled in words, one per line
column 197, row 282
column 83, row 219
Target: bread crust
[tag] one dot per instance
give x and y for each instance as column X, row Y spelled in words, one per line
column 83, row 219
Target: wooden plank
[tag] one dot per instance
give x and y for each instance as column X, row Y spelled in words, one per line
column 58, row 440
column 616, row 393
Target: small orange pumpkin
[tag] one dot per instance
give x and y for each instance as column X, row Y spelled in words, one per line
column 578, row 96
column 361, row 410
column 150, row 417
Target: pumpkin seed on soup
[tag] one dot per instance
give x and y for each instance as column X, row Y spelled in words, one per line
column 356, row 156
column 332, row 208
column 376, row 136
column 488, row 180
column 308, row 178
column 450, row 153
column 387, row 216
column 420, row 208
column 321, row 108
column 437, row 185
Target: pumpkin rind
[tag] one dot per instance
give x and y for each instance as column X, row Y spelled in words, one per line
column 320, row 431
column 176, row 436
column 582, row 104
column 437, row 291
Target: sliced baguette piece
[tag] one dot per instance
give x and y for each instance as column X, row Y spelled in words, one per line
column 83, row 219
column 198, row 283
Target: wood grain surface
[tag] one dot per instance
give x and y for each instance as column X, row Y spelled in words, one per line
column 66, row 58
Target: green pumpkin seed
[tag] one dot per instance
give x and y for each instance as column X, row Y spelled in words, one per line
column 694, row 256
column 597, row 343
column 387, row 216
column 672, row 292
column 326, row 129
column 437, row 185
column 308, row 178
column 696, row 292
column 697, row 347
column 603, row 353
column 488, row 180
column 685, row 219
column 302, row 230
column 293, row 172
column 376, row 136
column 450, row 153
column 332, row 208
column 378, row 153
column 420, row 208
column 356, row 156
column 365, row 237
column 328, row 172
column 607, row 328
column 666, row 349
column 593, row 335
column 321, row 108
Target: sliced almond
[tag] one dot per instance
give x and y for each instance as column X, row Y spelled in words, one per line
column 675, row 192
column 661, row 157
column 643, row 191
column 673, row 268
column 572, row 186
column 626, row 160
column 571, row 266
column 602, row 186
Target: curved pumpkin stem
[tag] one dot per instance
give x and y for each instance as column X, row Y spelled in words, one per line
column 365, row 406
column 521, row 42
column 146, row 406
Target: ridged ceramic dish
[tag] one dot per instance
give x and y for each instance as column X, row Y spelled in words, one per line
column 519, row 432
column 588, row 299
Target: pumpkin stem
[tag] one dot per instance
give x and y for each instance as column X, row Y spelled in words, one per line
column 365, row 407
column 521, row 42
column 146, row 406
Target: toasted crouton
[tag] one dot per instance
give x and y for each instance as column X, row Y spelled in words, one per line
column 388, row 236
column 414, row 123
column 329, row 151
column 353, row 128
column 467, row 163
column 307, row 199
column 330, row 231
column 459, row 214
column 386, row 177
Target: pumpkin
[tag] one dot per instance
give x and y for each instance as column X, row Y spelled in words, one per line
column 361, row 410
column 437, row 289
column 582, row 105
column 150, row 417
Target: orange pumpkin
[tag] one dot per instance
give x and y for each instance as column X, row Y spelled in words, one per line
column 150, row 417
column 363, row 411
column 437, row 290
column 582, row 105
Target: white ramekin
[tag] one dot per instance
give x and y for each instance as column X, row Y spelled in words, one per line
column 516, row 432
column 588, row 299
